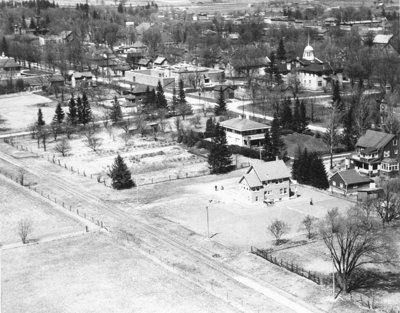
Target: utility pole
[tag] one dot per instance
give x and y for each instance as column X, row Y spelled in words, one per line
column 208, row 222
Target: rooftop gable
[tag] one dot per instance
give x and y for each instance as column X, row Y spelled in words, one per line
column 374, row 139
column 243, row 124
column 270, row 170
column 351, row 177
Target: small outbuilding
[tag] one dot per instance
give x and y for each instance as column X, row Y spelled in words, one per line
column 348, row 182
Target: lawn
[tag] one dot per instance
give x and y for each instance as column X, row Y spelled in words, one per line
column 92, row 273
column 295, row 140
column 20, row 203
column 20, row 111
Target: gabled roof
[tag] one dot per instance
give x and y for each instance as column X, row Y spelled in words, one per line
column 251, row 179
column 270, row 170
column 224, row 87
column 316, row 68
column 374, row 139
column 243, row 124
column 382, row 39
column 144, row 61
column 8, row 63
column 159, row 60
column 351, row 177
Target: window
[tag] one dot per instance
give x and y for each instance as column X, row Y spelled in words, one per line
column 269, row 192
column 386, row 154
column 309, row 82
column 281, row 191
column 333, row 183
column 396, row 151
column 319, row 83
column 341, row 185
column 256, row 198
column 394, row 142
column 285, row 190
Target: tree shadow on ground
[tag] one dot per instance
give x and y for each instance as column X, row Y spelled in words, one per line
column 370, row 279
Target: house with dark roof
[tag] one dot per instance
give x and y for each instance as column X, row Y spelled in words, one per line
column 376, row 153
column 266, row 181
column 244, row 132
column 8, row 67
column 227, row 90
column 348, row 182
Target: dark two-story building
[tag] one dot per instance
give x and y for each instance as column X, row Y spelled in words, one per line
column 376, row 154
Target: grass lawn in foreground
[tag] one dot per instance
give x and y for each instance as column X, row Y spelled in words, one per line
column 18, row 203
column 92, row 274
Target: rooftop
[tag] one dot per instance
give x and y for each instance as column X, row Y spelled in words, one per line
column 351, row 177
column 374, row 139
column 270, row 170
column 382, row 39
column 243, row 124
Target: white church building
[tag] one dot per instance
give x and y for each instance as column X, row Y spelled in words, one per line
column 313, row 73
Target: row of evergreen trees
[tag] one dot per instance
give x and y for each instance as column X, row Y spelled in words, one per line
column 295, row 120
column 309, row 169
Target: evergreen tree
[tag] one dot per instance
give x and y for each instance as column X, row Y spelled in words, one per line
column 220, row 157
column 209, row 127
column 268, row 151
column 318, row 177
column 336, row 98
column 59, row 114
column 4, row 46
column 296, row 163
column 32, row 24
column 72, row 114
column 275, row 137
column 79, row 109
column 160, row 97
column 120, row 175
column 281, row 52
column 286, row 115
column 221, row 104
column 175, row 102
column 303, row 117
column 184, row 107
column 116, row 112
column 349, row 136
column 271, row 69
column 296, row 116
column 86, row 110
column 40, row 122
column 23, row 23
column 120, row 7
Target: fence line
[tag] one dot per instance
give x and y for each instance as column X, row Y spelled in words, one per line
column 294, row 268
column 52, row 198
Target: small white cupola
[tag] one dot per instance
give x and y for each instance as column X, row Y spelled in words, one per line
column 308, row 53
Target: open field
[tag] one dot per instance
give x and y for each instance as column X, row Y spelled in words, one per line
column 93, row 274
column 234, row 221
column 148, row 160
column 18, row 203
column 20, row 111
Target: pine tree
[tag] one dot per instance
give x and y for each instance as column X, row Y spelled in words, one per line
column 184, row 107
column 4, row 46
column 349, row 136
column 336, row 98
column 209, row 127
column 281, row 52
column 303, row 167
column 59, row 114
column 268, row 154
column 79, row 110
column 72, row 114
column 221, row 104
column 116, row 112
column 175, row 102
column 271, row 69
column 318, row 177
column 296, row 163
column 296, row 117
column 23, row 23
column 40, row 122
column 120, row 175
column 286, row 115
column 275, row 136
column 86, row 110
column 303, row 117
column 120, row 8
column 32, row 24
column 160, row 97
column 220, row 157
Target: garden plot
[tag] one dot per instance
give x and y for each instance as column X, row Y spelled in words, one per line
column 18, row 203
column 149, row 160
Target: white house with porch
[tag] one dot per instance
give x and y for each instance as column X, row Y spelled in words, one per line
column 244, row 132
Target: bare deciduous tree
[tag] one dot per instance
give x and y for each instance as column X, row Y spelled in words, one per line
column 352, row 245
column 388, row 205
column 278, row 228
column 92, row 141
column 63, row 147
column 24, row 229
column 308, row 223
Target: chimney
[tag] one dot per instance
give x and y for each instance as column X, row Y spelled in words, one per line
column 276, row 158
